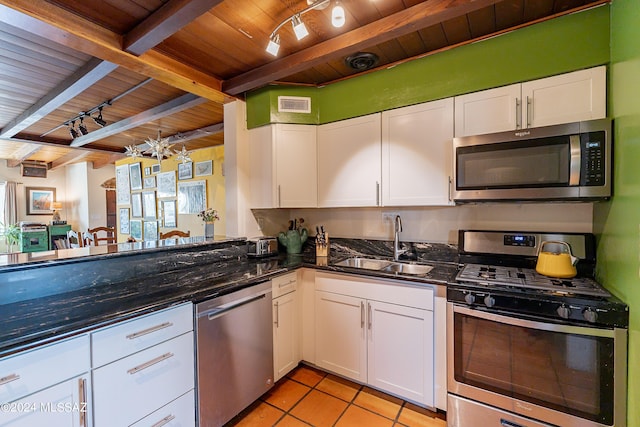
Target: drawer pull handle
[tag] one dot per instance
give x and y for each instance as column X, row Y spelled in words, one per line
column 277, row 322
column 149, row 363
column 82, row 391
column 9, row 378
column 166, row 420
column 282, row 285
column 149, row 330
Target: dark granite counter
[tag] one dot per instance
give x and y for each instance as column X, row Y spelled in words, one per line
column 59, row 293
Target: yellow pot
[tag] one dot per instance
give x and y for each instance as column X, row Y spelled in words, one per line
column 556, row 262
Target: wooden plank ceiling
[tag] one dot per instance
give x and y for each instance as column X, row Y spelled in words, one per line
column 169, row 65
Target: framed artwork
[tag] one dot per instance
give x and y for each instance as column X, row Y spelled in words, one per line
column 204, row 168
column 149, row 209
column 136, row 205
column 149, row 182
column 169, row 213
column 39, row 200
column 135, row 175
column 135, row 228
column 124, row 220
column 192, row 197
column 150, row 230
column 155, row 168
column 185, row 170
column 147, row 171
column 166, row 184
column 123, row 193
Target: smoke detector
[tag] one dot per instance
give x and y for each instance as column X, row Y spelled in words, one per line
column 362, row 61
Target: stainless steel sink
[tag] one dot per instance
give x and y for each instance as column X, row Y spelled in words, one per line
column 366, row 263
column 403, row 268
column 385, row 266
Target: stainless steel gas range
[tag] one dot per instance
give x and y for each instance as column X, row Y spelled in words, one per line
column 530, row 350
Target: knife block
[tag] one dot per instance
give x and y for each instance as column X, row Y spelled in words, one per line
column 323, row 250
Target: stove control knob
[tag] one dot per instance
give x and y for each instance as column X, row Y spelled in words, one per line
column 590, row 315
column 469, row 299
column 564, row 311
column 489, row 301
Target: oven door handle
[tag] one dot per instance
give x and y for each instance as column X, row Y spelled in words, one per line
column 531, row 324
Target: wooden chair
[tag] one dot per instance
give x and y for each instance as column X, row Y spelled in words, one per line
column 174, row 233
column 108, row 238
column 73, row 240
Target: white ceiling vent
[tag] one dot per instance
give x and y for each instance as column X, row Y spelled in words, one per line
column 294, row 104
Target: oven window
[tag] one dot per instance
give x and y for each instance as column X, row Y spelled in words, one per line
column 566, row 372
column 509, row 165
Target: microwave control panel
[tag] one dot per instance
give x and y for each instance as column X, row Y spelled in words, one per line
column 593, row 159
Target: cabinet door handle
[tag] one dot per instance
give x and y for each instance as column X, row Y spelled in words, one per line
column 9, row 378
column 82, row 392
column 450, row 185
column 529, row 111
column 166, row 420
column 362, row 314
column 377, row 193
column 518, row 113
column 277, row 321
column 369, row 315
column 150, row 363
column 279, row 198
column 149, row 330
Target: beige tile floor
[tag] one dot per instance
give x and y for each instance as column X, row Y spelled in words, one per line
column 309, row 397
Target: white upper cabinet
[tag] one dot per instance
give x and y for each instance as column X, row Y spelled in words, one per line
column 493, row 110
column 565, row 98
column 349, row 170
column 417, row 154
column 283, row 171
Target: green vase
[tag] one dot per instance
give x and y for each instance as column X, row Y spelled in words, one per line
column 293, row 240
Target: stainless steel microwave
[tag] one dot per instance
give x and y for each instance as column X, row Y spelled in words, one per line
column 561, row 162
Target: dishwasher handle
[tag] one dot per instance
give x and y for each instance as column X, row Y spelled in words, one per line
column 221, row 309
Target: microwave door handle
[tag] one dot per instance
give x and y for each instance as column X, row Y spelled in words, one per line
column 576, row 157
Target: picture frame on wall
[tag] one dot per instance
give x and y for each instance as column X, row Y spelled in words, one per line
column 39, row 200
column 136, row 205
column 192, row 197
column 135, row 175
column 135, row 228
column 147, row 171
column 149, row 182
column 204, row 168
column 185, row 170
column 155, row 168
column 166, row 183
column 123, row 193
column 124, row 220
column 149, row 208
column 169, row 213
column 150, row 230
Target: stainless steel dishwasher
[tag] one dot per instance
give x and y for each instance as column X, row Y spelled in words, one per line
column 234, row 358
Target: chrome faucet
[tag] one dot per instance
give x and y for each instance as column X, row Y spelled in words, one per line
column 396, row 240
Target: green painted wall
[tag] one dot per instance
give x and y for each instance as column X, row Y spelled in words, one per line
column 617, row 222
column 568, row 43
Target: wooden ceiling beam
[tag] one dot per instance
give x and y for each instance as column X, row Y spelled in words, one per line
column 184, row 137
column 176, row 105
column 30, row 139
column 166, row 21
column 58, row 24
column 22, row 154
column 401, row 23
column 107, row 160
column 81, row 80
column 73, row 156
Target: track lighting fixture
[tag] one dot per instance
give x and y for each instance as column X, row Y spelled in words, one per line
column 98, row 120
column 300, row 30
column 72, row 131
column 82, row 127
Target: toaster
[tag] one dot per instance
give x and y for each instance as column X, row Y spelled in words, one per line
column 262, row 246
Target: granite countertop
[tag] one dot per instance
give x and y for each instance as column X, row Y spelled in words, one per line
column 50, row 299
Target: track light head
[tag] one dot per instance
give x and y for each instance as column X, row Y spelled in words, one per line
column 337, row 15
column 298, row 27
column 82, row 127
column 274, row 44
column 72, row 131
column 98, row 120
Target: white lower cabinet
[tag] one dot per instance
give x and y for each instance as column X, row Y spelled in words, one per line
column 286, row 347
column 62, row 405
column 129, row 389
column 179, row 413
column 377, row 333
